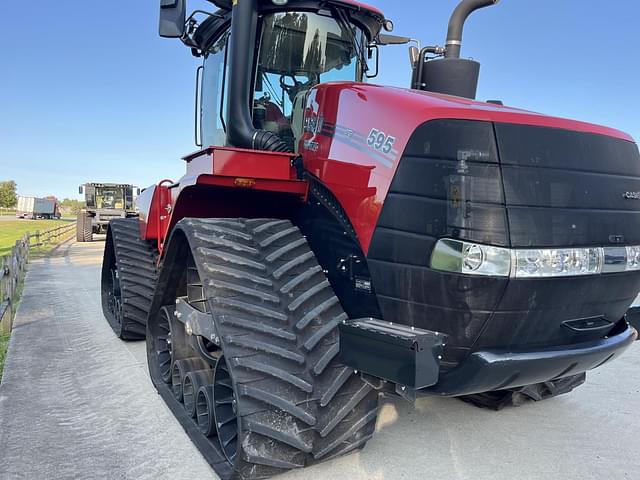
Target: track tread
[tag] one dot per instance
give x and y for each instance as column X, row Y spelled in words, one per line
column 280, row 435
column 515, row 397
column 275, row 372
column 277, row 317
column 279, row 402
column 137, row 271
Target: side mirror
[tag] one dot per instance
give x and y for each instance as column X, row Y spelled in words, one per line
column 414, row 56
column 80, row 190
column 137, row 191
column 172, row 18
column 373, row 52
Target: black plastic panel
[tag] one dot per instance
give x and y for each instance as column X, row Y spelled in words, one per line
column 542, row 147
column 331, row 236
column 554, row 227
column 565, row 188
column 484, row 223
column 399, row 354
column 457, row 305
column 448, row 184
column 533, row 312
column 546, row 188
column 488, row 370
column 444, row 139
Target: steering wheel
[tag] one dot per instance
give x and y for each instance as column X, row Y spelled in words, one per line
column 297, row 87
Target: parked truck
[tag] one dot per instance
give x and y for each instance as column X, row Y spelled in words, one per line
column 34, row 207
column 335, row 240
column 103, row 202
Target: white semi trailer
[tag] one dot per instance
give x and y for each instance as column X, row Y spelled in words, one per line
column 33, row 207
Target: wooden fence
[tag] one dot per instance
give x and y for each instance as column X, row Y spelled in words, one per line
column 14, row 266
column 7, row 211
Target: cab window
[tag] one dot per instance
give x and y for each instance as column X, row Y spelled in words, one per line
column 299, row 50
column 213, row 105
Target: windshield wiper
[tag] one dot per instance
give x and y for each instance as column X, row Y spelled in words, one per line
column 346, row 25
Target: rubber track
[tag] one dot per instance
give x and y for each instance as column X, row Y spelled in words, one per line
column 278, row 317
column 530, row 393
column 84, row 231
column 136, row 262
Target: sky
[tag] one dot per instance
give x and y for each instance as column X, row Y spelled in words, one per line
column 90, row 93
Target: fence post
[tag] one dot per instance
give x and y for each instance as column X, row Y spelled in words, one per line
column 13, row 268
column 5, row 307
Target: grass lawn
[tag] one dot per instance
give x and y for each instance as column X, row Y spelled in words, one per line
column 12, row 230
column 4, row 343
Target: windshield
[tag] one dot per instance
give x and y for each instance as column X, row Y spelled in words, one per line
column 308, row 45
column 109, row 197
column 299, row 50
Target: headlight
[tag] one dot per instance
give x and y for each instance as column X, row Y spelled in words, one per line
column 557, row 262
column 633, row 258
column 476, row 259
column 471, row 258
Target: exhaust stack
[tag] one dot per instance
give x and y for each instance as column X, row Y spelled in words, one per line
column 452, row 75
column 456, row 24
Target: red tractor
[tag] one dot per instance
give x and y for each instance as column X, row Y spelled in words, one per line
column 335, row 239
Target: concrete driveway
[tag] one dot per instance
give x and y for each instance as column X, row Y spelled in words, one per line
column 76, row 403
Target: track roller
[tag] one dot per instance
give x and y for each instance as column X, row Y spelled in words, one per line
column 204, row 411
column 180, row 370
column 190, row 386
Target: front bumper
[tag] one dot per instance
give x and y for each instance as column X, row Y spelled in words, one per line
column 485, row 371
column 410, row 358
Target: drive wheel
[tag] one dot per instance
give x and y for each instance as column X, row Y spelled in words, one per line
column 129, row 275
column 225, row 410
column 516, row 397
column 280, row 398
column 164, row 345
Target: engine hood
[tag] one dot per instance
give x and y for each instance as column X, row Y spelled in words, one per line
column 429, row 106
column 354, row 136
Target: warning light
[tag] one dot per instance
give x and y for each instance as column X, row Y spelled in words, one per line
column 244, row 182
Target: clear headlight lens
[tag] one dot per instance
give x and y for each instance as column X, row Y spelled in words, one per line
column 477, row 259
column 563, row 262
column 633, row 258
column 471, row 258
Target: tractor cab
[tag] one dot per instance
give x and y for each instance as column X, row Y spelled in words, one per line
column 295, row 46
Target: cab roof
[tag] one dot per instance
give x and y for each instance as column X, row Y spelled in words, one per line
column 359, row 6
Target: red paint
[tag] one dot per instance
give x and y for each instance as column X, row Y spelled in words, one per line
column 361, row 6
column 361, row 182
column 357, row 174
column 145, row 204
column 155, row 212
column 215, row 168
